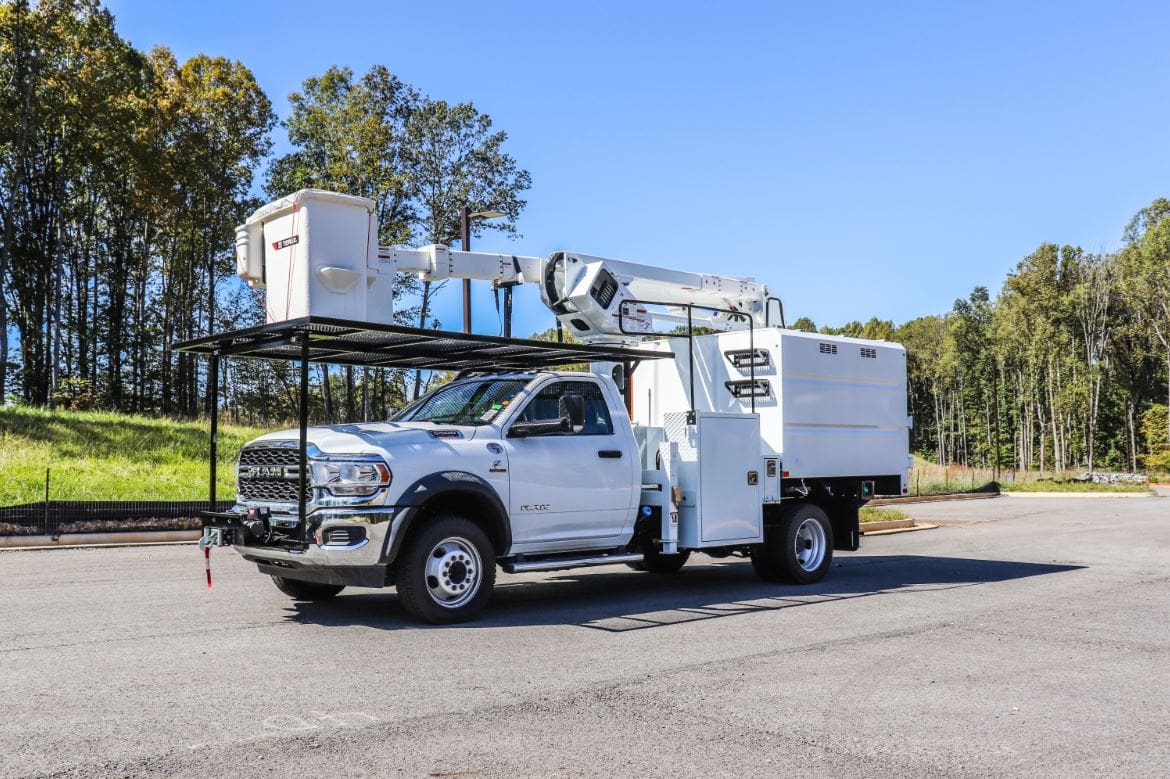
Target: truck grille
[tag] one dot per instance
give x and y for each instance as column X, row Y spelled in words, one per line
column 269, row 455
column 270, row 487
column 269, row 490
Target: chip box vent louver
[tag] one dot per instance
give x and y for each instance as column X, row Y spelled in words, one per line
column 747, row 388
column 748, row 358
column 828, row 348
column 868, row 352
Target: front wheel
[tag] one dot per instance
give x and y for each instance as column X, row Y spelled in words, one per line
column 298, row 590
column 447, row 571
column 799, row 549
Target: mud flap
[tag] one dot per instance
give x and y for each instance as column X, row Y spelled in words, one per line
column 846, row 526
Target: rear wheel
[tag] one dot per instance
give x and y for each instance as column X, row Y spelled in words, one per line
column 447, row 571
column 654, row 561
column 306, row 590
column 799, row 549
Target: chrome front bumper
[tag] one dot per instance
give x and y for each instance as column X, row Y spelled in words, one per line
column 362, row 564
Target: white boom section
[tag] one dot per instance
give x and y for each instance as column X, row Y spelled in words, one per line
column 317, row 253
column 437, row 262
column 594, row 297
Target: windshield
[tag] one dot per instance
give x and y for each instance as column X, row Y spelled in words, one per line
column 463, row 403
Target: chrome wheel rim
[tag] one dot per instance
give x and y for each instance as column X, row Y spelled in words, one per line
column 454, row 572
column 810, row 544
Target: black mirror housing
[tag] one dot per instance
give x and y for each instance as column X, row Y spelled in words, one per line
column 540, row 427
column 572, row 408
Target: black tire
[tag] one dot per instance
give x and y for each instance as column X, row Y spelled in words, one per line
column 654, row 561
column 299, row 590
column 799, row 549
column 446, row 571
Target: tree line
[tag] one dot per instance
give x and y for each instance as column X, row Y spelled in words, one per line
column 1066, row 368
column 123, row 174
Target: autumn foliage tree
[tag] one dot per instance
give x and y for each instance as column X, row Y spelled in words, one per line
column 123, row 177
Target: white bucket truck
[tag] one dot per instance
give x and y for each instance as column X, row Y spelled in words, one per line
column 751, row 440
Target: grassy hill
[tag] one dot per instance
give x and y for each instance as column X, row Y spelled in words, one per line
column 97, row 455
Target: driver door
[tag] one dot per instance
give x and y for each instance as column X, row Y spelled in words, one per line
column 569, row 489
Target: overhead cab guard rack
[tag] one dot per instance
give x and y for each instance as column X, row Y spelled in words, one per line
column 344, row 342
column 339, row 341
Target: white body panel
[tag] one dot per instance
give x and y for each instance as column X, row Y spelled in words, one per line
column 836, row 408
column 564, row 494
column 715, row 456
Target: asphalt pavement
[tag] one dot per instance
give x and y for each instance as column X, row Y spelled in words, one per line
column 1022, row 637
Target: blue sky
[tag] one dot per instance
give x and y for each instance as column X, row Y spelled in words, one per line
column 860, row 158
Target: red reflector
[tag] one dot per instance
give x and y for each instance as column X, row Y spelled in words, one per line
column 905, row 490
column 785, row 474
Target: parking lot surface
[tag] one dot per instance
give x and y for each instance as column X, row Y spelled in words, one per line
column 1022, row 637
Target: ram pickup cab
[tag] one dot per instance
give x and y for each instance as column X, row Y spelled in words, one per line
column 524, row 471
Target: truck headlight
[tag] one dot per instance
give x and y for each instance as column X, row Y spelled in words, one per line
column 357, row 478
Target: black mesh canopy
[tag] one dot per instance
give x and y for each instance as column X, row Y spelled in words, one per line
column 344, row 342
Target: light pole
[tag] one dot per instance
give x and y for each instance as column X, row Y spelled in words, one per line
column 465, row 218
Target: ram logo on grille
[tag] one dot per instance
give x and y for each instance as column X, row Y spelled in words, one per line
column 266, row 472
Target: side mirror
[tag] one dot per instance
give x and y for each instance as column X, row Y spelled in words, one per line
column 539, row 427
column 572, row 408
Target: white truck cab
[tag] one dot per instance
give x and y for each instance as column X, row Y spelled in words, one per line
column 541, row 463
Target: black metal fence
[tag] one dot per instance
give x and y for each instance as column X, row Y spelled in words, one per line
column 57, row 517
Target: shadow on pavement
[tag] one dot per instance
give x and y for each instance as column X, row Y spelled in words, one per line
column 623, row 601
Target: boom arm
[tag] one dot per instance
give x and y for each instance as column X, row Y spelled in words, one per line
column 313, row 249
column 603, row 299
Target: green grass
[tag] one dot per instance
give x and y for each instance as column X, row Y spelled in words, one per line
column 97, row 455
column 927, row 478
column 1070, row 486
column 871, row 514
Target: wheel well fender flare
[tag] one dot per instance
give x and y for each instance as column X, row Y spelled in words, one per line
column 457, row 490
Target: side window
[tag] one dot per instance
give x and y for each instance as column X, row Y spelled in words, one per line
column 548, row 404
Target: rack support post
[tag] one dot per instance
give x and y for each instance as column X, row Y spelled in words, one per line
column 508, row 312
column 302, row 455
column 691, row 362
column 213, row 403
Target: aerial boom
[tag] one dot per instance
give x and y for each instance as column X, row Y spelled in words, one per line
column 316, row 252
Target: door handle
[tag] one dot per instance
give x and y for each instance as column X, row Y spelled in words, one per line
column 610, row 454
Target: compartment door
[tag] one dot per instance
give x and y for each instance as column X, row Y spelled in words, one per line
column 729, row 453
